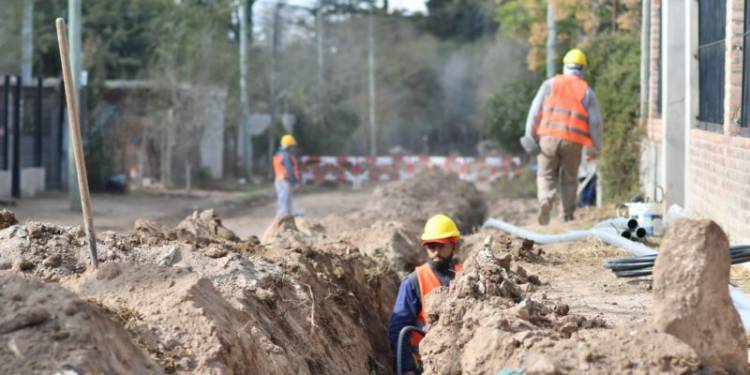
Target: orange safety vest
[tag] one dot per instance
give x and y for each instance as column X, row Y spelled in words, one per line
column 427, row 282
column 563, row 113
column 279, row 168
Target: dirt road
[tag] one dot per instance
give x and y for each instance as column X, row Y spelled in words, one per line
column 246, row 213
column 316, row 204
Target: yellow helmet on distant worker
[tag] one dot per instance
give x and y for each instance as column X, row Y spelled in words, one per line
column 575, row 57
column 288, row 140
column 440, row 227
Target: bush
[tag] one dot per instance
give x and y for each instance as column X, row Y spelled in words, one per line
column 614, row 75
column 505, row 113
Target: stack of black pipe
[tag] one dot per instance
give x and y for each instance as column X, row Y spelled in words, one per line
column 644, row 265
column 634, row 232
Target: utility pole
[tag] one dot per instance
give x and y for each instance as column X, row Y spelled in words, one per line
column 246, row 143
column 274, row 63
column 551, row 40
column 371, row 81
column 319, row 39
column 74, row 36
column 28, row 40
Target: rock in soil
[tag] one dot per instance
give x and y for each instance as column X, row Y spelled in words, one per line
column 7, row 218
column 691, row 298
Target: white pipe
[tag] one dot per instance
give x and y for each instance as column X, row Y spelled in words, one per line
column 609, row 232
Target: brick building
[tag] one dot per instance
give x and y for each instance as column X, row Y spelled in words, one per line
column 696, row 61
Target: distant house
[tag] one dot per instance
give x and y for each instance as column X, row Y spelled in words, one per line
column 697, row 150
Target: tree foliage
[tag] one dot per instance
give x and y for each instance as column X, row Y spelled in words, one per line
column 576, row 22
column 615, row 77
column 609, row 37
column 505, row 113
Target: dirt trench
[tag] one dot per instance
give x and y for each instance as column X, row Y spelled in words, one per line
column 196, row 298
column 314, row 296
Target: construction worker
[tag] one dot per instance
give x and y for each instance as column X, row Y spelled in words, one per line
column 564, row 117
column 441, row 241
column 286, row 171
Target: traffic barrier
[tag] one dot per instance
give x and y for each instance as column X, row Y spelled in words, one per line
column 356, row 170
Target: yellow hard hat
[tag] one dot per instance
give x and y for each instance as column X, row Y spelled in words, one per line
column 440, row 227
column 576, row 57
column 288, row 140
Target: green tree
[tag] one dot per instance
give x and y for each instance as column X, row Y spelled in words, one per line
column 614, row 75
column 505, row 113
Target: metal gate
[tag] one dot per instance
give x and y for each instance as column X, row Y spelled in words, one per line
column 711, row 46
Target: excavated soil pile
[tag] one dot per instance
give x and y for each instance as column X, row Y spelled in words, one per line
column 489, row 317
column 48, row 330
column 494, row 318
column 414, row 200
column 389, row 224
column 196, row 299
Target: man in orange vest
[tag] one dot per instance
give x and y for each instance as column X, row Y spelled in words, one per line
column 441, row 240
column 564, row 117
column 286, row 170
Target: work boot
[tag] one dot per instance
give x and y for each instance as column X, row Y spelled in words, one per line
column 543, row 216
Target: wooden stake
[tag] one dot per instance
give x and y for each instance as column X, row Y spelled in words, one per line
column 75, row 138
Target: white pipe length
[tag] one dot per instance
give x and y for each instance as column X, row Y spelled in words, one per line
column 609, row 232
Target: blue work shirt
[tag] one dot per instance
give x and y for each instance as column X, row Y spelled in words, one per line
column 405, row 311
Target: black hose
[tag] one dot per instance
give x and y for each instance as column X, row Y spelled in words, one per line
column 400, row 345
column 644, row 265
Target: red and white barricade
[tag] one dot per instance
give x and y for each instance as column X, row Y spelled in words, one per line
column 356, row 170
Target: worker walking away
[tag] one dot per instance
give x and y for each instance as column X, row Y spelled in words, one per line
column 286, row 171
column 441, row 241
column 564, row 117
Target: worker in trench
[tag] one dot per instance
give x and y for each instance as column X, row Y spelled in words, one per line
column 286, row 170
column 440, row 240
column 563, row 119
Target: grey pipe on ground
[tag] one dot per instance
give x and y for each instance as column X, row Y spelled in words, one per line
column 609, row 232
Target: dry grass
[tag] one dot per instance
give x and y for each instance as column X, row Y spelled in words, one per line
column 590, row 252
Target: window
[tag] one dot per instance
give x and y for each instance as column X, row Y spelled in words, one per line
column 711, row 30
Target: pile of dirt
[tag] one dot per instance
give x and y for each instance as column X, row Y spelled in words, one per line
column 48, row 330
column 622, row 350
column 197, row 299
column 495, row 317
column 390, row 241
column 490, row 315
column 7, row 218
column 414, row 200
column 388, row 226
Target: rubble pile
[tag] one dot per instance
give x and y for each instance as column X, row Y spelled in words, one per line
column 490, row 315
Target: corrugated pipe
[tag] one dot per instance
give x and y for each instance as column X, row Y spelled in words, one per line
column 609, row 232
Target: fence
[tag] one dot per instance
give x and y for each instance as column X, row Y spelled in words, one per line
column 357, row 170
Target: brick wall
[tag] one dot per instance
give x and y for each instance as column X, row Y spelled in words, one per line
column 719, row 186
column 719, row 170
